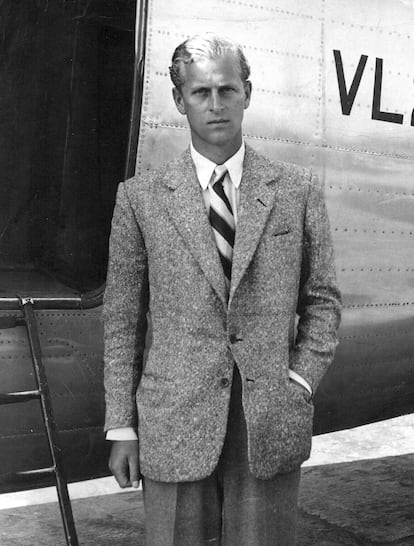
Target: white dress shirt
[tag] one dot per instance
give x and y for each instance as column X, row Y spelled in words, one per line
column 231, row 185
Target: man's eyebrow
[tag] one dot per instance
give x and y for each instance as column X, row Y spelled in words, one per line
column 199, row 88
column 206, row 87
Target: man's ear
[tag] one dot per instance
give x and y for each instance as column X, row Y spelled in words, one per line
column 178, row 99
column 247, row 93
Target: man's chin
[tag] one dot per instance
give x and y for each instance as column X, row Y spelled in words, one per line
column 222, row 138
column 219, row 140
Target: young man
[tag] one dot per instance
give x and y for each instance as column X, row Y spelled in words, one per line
column 221, row 248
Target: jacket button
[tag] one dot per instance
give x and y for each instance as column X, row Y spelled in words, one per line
column 224, row 382
column 234, row 339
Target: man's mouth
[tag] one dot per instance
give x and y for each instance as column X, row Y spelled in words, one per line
column 218, row 121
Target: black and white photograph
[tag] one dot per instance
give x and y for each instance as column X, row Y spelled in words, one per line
column 207, row 273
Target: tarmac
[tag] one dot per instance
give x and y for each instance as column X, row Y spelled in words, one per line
column 357, row 490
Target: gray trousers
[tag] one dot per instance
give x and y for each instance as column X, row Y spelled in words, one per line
column 228, row 508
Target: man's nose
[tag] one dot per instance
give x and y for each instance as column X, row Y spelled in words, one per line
column 215, row 101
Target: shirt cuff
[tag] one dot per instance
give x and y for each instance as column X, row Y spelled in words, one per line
column 299, row 379
column 121, row 433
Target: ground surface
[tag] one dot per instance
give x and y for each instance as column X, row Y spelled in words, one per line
column 357, row 490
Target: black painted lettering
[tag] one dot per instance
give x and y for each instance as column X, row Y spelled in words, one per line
column 348, row 97
column 377, row 113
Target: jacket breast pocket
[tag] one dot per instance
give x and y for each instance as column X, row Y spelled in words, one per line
column 280, row 231
column 281, row 252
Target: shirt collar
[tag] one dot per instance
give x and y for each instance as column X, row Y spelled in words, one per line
column 205, row 168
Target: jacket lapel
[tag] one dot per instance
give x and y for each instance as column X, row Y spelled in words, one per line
column 188, row 213
column 257, row 196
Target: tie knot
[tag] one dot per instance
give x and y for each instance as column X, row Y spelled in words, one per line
column 219, row 173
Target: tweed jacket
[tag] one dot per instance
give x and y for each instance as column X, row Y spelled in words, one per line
column 164, row 269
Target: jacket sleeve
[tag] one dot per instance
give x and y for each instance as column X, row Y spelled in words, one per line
column 124, row 314
column 319, row 301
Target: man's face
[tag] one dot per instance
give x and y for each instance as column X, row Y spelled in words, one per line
column 214, row 97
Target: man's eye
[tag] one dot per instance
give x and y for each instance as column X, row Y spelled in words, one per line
column 200, row 91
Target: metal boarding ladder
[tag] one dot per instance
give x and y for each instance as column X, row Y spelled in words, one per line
column 43, row 395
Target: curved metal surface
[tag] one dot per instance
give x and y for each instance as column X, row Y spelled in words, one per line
column 332, row 90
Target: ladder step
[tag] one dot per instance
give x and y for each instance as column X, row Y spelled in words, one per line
column 17, row 397
column 22, row 476
column 39, row 472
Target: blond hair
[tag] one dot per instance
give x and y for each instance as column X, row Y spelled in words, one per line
column 207, row 46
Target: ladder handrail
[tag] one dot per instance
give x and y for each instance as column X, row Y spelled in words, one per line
column 42, row 393
column 27, row 305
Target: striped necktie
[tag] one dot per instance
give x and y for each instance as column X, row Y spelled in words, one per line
column 222, row 221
